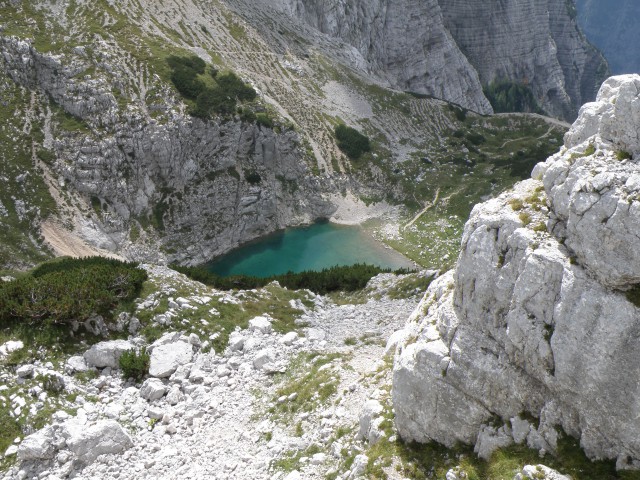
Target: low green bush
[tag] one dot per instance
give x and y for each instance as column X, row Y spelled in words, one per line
column 252, row 177
column 188, row 76
column 264, row 120
column 352, row 142
column 339, row 278
column 69, row 290
column 134, row 364
column 623, row 155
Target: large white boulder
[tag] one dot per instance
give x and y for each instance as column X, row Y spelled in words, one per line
column 104, row 437
column 37, row 446
column 152, row 389
column 77, row 363
column 107, row 354
column 370, row 418
column 10, row 347
column 166, row 358
column 540, row 472
column 263, row 358
column 260, row 324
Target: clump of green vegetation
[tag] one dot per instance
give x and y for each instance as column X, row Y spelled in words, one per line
column 69, row 290
column 459, row 112
column 212, row 94
column 623, row 155
column 508, row 96
column 633, row 295
column 540, row 227
column 340, row 278
column 252, row 177
column 47, row 156
column 516, row 204
column 291, row 460
column 590, row 150
column 352, row 142
column 185, row 71
column 525, row 218
column 9, row 427
column 134, row 364
column 264, row 120
column 410, row 286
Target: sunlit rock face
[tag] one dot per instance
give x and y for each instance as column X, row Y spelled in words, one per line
column 534, row 321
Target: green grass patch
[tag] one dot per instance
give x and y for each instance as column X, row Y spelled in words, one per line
column 623, row 155
column 410, row 286
column 312, row 384
column 271, row 300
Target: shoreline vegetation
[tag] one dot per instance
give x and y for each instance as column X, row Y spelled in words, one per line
column 338, row 278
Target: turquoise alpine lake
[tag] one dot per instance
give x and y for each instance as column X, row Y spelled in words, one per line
column 315, row 247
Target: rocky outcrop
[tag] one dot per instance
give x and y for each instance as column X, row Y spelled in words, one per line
column 106, row 354
column 531, row 334
column 84, row 442
column 203, row 187
column 457, row 46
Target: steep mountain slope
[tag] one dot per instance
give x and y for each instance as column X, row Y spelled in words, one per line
column 611, row 25
column 535, row 333
column 456, row 46
column 404, row 42
column 120, row 162
column 534, row 43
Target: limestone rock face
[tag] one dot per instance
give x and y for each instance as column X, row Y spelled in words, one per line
column 404, row 41
column 451, row 48
column 37, row 446
column 537, row 43
column 595, row 197
column 526, row 325
column 165, row 359
column 208, row 186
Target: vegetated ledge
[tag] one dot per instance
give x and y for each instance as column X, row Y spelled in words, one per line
column 532, row 323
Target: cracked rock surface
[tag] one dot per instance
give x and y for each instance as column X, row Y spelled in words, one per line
column 533, row 321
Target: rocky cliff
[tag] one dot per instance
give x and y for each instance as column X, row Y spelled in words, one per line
column 534, row 43
column 455, row 47
column 535, row 333
column 404, row 42
column 611, row 25
column 205, row 187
